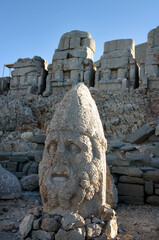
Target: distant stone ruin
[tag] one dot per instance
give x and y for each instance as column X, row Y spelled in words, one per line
column 72, row 61
column 29, row 76
column 117, row 67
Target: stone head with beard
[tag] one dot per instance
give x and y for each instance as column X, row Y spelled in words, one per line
column 73, row 169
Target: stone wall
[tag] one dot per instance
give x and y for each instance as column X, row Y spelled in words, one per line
column 29, row 76
column 117, row 66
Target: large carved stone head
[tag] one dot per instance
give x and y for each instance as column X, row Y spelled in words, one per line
column 73, row 170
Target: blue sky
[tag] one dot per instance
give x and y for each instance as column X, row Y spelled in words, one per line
column 34, row 27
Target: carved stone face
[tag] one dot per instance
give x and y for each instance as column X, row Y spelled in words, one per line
column 71, row 170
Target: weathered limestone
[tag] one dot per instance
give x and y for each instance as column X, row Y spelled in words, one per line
column 29, row 76
column 152, row 59
column 72, row 174
column 140, row 135
column 117, row 67
column 72, row 61
column 10, row 187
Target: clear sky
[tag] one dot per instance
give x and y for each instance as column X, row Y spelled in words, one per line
column 34, row 27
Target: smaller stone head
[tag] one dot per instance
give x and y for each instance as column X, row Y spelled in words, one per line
column 73, row 170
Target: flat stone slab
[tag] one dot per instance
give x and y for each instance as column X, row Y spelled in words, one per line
column 135, row 190
column 128, row 179
column 131, row 200
column 40, row 138
column 5, row 155
column 140, row 135
column 155, row 162
column 153, row 200
column 137, row 160
column 152, row 176
column 128, row 171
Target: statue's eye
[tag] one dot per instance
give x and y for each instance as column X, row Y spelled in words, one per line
column 52, row 148
column 73, row 148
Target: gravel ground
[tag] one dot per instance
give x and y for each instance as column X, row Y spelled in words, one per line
column 134, row 222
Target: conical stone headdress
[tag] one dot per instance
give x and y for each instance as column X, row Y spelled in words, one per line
column 78, row 112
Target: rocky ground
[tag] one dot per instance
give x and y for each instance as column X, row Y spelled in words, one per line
column 135, row 222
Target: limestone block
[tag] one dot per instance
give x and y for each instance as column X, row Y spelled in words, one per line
column 26, row 136
column 118, row 53
column 59, row 55
column 117, row 62
column 131, row 200
column 140, row 135
column 121, row 73
column 153, row 200
column 88, row 65
column 57, row 65
column 75, row 42
column 82, row 52
column 73, row 64
column 88, row 78
column 64, row 44
column 152, row 176
column 10, row 187
column 76, row 33
column 30, row 182
column 76, row 76
column 153, row 37
column 126, row 44
column 152, row 50
column 26, row 225
column 151, row 71
column 41, row 235
column 72, row 221
column 58, row 75
column 50, row 224
column 125, row 189
column 149, row 187
column 78, row 234
column 110, row 46
column 89, row 42
column 112, row 228
column 128, row 179
column 152, row 59
column 26, row 70
column 137, row 160
column 128, row 171
column 93, row 230
column 155, row 162
column 111, row 190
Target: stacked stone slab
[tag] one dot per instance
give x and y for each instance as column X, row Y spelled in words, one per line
column 72, row 61
column 117, row 66
column 29, row 76
column 152, row 60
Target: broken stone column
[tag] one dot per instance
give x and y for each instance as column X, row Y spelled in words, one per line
column 152, row 59
column 29, row 76
column 72, row 61
column 117, row 67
